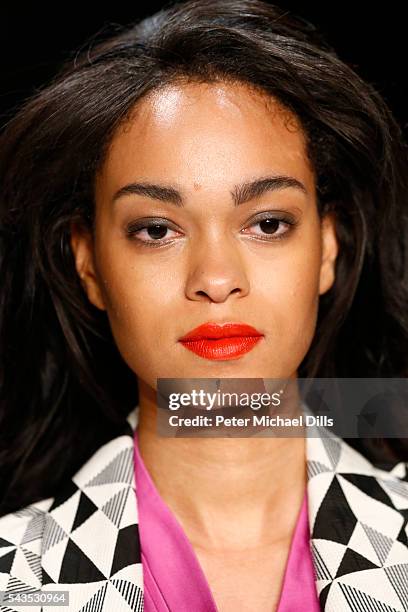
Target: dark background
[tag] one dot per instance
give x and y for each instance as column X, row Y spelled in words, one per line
column 34, row 40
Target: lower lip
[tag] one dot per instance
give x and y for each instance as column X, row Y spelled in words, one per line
column 222, row 348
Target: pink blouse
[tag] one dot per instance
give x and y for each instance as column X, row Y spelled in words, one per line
column 172, row 575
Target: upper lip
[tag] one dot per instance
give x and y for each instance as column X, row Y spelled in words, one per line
column 218, row 330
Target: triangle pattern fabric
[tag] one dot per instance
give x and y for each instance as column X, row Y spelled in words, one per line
column 398, row 576
column 127, row 547
column 370, row 487
column 329, row 555
column 120, row 469
column 96, row 603
column 73, row 556
column 115, row 507
column 342, row 519
column 364, row 510
column 86, row 508
column 321, row 570
column 353, row 562
column 18, row 585
column 34, row 561
column 333, row 449
column 361, row 543
column 6, row 561
column 35, row 528
column 54, row 534
column 382, row 544
column 315, row 467
column 357, row 600
column 403, row 534
column 129, row 592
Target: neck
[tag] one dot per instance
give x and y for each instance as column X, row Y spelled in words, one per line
column 226, row 492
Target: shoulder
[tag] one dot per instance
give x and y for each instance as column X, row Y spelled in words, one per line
column 338, row 471
column 358, row 516
column 57, row 541
column 331, row 459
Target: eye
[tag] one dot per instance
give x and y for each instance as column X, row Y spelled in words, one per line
column 272, row 227
column 151, row 232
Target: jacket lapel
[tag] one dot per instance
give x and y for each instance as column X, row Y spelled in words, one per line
column 358, row 524
column 91, row 544
column 84, row 542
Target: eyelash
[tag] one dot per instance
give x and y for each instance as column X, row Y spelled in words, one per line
column 135, row 227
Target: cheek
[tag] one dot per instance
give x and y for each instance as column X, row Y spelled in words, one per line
column 289, row 281
column 287, row 296
column 138, row 295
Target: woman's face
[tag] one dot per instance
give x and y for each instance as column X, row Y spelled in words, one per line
column 208, row 162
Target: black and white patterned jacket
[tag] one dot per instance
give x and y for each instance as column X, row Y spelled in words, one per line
column 86, row 540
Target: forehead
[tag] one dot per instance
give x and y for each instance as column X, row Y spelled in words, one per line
column 206, row 135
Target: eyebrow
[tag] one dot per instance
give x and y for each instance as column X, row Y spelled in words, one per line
column 240, row 194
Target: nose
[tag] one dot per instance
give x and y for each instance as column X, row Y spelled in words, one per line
column 216, row 271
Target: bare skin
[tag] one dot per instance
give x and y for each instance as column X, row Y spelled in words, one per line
column 237, row 499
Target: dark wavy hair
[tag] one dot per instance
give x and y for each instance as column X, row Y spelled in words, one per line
column 64, row 388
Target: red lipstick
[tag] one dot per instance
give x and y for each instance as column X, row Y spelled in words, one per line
column 218, row 342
